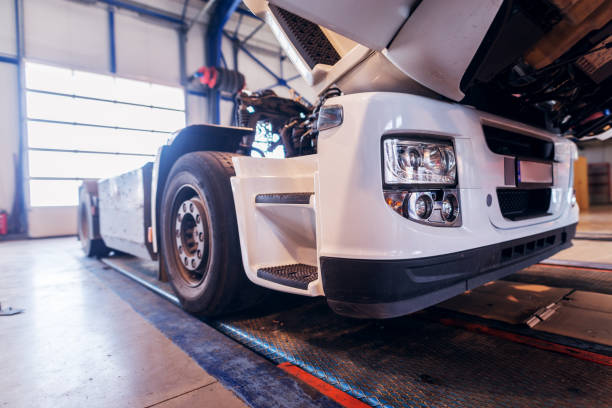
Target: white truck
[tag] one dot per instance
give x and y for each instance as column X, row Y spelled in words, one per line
column 435, row 160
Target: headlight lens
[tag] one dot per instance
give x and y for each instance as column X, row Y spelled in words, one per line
column 450, row 208
column 419, row 162
column 423, row 206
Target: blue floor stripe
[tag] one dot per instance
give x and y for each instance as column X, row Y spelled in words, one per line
column 257, row 381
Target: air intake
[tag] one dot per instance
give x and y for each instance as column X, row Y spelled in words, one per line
column 509, row 143
column 517, row 204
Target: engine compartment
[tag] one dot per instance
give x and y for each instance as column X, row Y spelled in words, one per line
column 547, row 63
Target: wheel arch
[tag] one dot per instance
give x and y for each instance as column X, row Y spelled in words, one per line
column 190, row 139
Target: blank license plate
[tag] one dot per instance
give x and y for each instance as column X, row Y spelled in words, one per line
column 529, row 172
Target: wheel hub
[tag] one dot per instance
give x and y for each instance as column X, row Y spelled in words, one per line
column 190, row 233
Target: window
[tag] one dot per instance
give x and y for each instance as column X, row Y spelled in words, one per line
column 83, row 125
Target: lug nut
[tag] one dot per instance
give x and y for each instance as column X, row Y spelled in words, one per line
column 199, row 254
column 186, row 261
column 181, row 249
column 193, row 263
column 198, row 218
column 190, row 207
column 184, row 207
column 201, row 236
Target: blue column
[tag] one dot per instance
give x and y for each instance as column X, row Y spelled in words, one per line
column 214, row 34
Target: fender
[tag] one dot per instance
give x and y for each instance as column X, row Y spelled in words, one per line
column 190, row 139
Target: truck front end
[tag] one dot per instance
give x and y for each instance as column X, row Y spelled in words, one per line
column 418, row 200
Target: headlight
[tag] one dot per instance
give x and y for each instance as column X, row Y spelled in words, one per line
column 419, row 162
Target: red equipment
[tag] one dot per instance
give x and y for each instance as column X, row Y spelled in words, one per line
column 3, row 223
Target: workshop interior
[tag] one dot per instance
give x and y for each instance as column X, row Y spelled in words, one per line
column 285, row 203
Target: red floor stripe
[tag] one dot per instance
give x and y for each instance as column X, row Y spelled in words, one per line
column 580, row 268
column 324, row 388
column 530, row 341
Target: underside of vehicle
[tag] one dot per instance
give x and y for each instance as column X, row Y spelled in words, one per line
column 546, row 63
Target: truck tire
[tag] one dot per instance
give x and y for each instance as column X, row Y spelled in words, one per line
column 199, row 236
column 87, row 221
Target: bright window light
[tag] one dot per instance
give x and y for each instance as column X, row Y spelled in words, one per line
column 81, row 165
column 70, row 137
column 49, row 78
column 76, row 118
column 54, row 192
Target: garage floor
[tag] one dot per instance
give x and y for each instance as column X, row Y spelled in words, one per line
column 596, row 222
column 91, row 337
column 78, row 344
column 594, row 251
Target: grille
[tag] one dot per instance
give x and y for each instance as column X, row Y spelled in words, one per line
column 517, row 204
column 509, row 143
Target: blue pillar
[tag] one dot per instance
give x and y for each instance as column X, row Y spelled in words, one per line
column 182, row 39
column 19, row 209
column 111, row 41
column 222, row 11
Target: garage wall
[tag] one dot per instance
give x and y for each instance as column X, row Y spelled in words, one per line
column 146, row 50
column 8, row 44
column 9, row 131
column 598, row 152
column 68, row 34
column 9, row 122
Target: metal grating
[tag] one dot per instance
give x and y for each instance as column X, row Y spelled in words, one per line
column 592, row 280
column 413, row 361
column 307, row 37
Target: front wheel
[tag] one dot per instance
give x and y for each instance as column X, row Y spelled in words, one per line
column 199, row 236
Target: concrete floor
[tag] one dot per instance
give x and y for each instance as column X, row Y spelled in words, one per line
column 595, row 230
column 587, row 251
column 598, row 218
column 79, row 344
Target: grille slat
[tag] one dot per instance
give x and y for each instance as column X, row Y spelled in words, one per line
column 520, row 204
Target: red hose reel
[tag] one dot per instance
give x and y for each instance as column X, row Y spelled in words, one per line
column 221, row 79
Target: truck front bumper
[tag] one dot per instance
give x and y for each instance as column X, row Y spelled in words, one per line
column 366, row 288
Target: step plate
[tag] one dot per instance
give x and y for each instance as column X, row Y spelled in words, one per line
column 296, row 275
